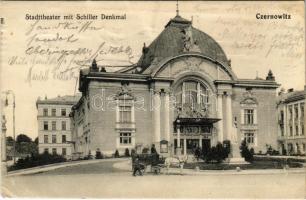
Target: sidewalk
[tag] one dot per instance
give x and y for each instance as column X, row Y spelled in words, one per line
column 44, row 168
column 126, row 165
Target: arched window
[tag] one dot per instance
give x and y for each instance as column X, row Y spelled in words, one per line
column 193, row 94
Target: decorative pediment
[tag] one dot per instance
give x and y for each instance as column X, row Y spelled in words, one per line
column 249, row 98
column 125, row 93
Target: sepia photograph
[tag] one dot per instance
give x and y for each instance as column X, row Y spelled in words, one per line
column 153, row 99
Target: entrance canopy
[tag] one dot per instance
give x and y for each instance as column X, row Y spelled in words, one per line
column 195, row 121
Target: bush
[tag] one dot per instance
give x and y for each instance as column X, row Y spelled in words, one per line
column 218, row 153
column 99, row 154
column 127, row 153
column 245, row 152
column 116, row 155
column 37, row 160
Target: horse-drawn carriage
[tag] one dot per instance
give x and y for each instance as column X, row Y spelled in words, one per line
column 153, row 160
column 157, row 163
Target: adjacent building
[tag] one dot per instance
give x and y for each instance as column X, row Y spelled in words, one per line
column 54, row 132
column 291, row 123
column 181, row 94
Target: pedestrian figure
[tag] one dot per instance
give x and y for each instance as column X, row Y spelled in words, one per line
column 153, row 149
column 137, row 167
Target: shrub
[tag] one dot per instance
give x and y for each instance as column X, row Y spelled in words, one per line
column 37, row 160
column 116, row 155
column 245, row 152
column 99, row 155
column 217, row 153
column 127, row 153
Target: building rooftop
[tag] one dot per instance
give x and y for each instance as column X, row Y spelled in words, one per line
column 291, row 96
column 60, row 100
column 180, row 36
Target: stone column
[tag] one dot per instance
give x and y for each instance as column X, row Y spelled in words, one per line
column 156, row 113
column 200, row 141
column 167, row 116
column 178, row 141
column 220, row 116
column 229, row 118
column 185, row 146
column 293, row 120
column 299, row 118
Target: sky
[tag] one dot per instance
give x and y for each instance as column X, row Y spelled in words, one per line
column 34, row 54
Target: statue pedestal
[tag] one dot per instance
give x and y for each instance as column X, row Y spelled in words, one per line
column 3, row 169
column 235, row 157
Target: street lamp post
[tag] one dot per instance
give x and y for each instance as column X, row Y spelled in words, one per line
column 8, row 92
column 3, row 147
column 178, row 148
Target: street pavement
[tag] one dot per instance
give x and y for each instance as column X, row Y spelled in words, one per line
column 102, row 180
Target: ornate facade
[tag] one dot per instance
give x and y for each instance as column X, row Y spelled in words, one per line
column 182, row 90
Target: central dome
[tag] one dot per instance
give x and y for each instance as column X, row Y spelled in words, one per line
column 180, row 37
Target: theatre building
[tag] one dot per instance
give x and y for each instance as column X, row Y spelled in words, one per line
column 182, row 91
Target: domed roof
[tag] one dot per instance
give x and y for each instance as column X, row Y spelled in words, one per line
column 180, row 37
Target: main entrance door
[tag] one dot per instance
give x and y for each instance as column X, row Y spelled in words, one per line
column 192, row 144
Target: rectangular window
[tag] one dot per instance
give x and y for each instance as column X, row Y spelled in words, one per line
column 296, row 112
column 304, row 147
column 46, row 150
column 302, row 129
column 125, row 138
column 54, row 151
column 63, row 125
column 45, row 125
column 63, row 112
column 63, row 138
column 291, row 131
column 53, row 113
column 296, row 130
column 64, row 151
column 302, row 111
column 46, row 140
column 45, row 112
column 53, row 138
column 290, row 113
column 282, row 130
column 249, row 137
column 125, row 113
column 53, row 125
column 248, row 116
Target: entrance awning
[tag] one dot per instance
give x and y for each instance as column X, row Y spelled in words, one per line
column 196, row 121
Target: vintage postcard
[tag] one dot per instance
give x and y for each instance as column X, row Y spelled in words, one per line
column 153, row 99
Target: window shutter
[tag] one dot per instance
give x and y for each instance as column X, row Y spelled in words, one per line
column 242, row 116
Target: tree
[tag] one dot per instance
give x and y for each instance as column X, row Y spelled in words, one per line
column 99, row 155
column 245, row 152
column 116, row 153
column 23, row 138
column 127, row 152
column 36, row 141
